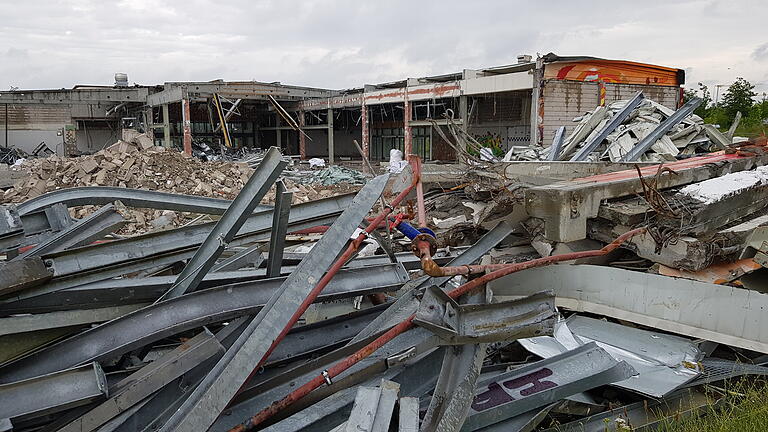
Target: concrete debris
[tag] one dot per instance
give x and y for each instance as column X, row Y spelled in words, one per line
column 460, row 292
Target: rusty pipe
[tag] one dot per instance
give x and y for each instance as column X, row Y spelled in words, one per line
column 406, row 324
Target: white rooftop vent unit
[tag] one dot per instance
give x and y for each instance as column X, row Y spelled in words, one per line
column 524, row 58
column 121, row 80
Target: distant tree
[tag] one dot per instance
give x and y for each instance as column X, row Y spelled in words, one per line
column 738, row 97
column 703, row 92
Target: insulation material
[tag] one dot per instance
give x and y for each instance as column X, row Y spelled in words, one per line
column 717, row 188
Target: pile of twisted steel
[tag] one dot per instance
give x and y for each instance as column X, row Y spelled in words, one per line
column 594, row 301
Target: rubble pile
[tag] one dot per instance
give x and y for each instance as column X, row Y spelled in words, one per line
column 138, row 165
column 568, row 299
column 690, row 136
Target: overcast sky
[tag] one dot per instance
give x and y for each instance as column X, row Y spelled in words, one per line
column 342, row 44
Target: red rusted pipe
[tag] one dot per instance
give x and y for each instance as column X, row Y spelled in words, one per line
column 415, row 162
column 400, row 328
column 351, row 249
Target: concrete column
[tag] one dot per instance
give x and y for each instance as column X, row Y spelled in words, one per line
column 407, row 136
column 330, row 136
column 537, row 104
column 278, row 132
column 187, row 125
column 166, row 127
column 365, row 138
column 302, row 138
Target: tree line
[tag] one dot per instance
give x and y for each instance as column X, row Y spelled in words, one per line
column 739, row 97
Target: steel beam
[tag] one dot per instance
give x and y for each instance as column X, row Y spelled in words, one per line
column 103, row 195
column 186, row 312
column 538, row 384
column 612, row 124
column 23, row 274
column 250, row 256
column 217, row 389
column 147, row 380
column 373, row 408
column 230, row 223
column 94, row 227
column 279, row 227
column 107, row 260
column 456, row 383
column 408, row 420
column 457, row 324
column 640, row 148
column 557, row 144
column 52, row 320
column 52, row 393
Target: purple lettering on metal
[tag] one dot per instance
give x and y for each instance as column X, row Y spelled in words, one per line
column 532, row 378
column 495, row 395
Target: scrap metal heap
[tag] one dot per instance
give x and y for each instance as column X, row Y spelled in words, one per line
column 536, row 295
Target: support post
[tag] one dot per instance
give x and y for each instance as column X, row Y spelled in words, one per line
column 278, row 132
column 537, row 105
column 187, row 125
column 407, row 137
column 302, row 138
column 365, row 138
column 6, row 125
column 279, row 228
column 330, row 137
column 166, row 127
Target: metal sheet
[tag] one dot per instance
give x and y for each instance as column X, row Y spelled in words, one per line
column 373, row 408
column 408, row 420
column 538, row 384
column 52, row 393
column 728, row 315
column 663, row 362
column 217, row 389
column 230, row 223
column 163, row 319
column 557, row 144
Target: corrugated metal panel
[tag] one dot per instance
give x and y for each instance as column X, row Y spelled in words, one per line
column 665, row 95
column 564, row 100
column 32, row 116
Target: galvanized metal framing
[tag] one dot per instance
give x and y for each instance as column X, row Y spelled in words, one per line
column 612, row 124
column 33, row 322
column 52, row 393
column 93, row 227
column 249, row 256
column 279, row 227
column 148, row 380
column 186, row 312
column 219, row 386
column 230, row 223
column 557, row 144
column 103, row 195
column 23, row 274
column 373, row 408
column 103, row 261
column 537, row 384
column 408, row 302
column 640, row 148
column 408, row 420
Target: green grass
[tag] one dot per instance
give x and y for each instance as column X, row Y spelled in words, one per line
column 744, row 408
column 751, row 131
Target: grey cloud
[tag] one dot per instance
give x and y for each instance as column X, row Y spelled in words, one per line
column 761, row 52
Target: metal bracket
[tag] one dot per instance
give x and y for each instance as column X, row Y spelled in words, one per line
column 492, row 322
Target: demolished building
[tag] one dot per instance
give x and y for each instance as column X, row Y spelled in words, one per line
column 535, row 293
